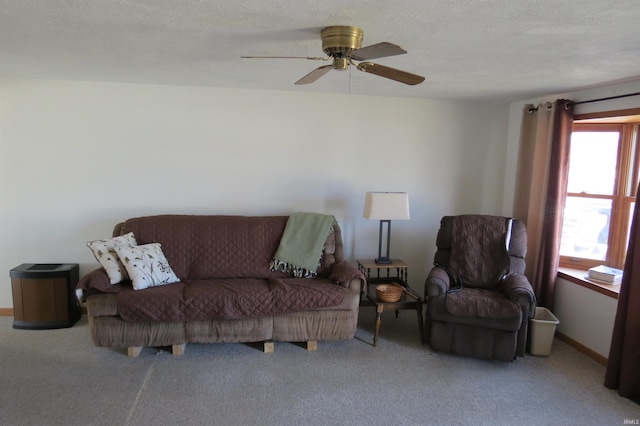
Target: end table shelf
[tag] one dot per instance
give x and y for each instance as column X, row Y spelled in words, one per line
column 368, row 265
column 409, row 300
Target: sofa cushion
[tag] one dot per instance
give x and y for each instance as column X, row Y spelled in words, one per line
column 227, row 299
column 152, row 304
column 146, row 265
column 198, row 300
column 475, row 302
column 300, row 294
column 105, row 254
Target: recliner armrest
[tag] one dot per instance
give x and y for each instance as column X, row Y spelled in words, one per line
column 516, row 287
column 437, row 282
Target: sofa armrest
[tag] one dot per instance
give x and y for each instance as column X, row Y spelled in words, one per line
column 347, row 275
column 437, row 283
column 516, row 287
column 98, row 280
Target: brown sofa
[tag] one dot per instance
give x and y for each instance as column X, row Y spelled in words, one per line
column 227, row 291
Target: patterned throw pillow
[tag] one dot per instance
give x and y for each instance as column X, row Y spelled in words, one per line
column 104, row 251
column 147, row 266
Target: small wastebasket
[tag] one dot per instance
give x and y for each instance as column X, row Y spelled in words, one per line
column 542, row 328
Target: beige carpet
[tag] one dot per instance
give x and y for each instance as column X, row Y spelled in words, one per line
column 57, row 377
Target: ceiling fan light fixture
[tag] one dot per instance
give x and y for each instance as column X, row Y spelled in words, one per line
column 340, row 64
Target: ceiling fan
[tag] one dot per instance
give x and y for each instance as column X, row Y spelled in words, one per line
column 343, row 44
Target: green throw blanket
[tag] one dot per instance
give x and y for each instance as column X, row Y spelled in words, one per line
column 301, row 244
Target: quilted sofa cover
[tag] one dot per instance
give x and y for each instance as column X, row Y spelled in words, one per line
column 227, row 291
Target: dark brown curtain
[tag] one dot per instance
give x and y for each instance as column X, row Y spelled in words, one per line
column 623, row 367
column 541, row 184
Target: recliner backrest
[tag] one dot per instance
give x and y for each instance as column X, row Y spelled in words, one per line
column 481, row 268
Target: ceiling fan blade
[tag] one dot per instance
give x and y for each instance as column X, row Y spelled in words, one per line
column 314, row 75
column 312, row 58
column 391, row 73
column 380, row 50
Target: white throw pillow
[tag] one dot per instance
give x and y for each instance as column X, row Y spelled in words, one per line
column 146, row 265
column 105, row 254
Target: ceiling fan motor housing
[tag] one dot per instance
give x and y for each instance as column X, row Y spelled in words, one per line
column 338, row 41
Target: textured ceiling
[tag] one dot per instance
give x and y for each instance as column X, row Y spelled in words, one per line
column 482, row 49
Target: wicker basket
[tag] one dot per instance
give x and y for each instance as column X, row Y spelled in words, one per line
column 389, row 293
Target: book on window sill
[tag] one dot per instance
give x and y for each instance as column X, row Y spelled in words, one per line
column 608, row 282
column 605, row 274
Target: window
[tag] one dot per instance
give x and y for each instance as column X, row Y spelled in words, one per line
column 604, row 170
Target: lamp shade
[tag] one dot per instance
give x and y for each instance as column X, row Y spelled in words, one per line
column 386, row 205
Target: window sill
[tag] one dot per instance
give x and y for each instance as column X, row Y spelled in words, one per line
column 577, row 276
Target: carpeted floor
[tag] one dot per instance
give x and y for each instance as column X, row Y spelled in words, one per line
column 57, row 377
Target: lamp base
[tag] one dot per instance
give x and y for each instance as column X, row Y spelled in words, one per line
column 383, row 261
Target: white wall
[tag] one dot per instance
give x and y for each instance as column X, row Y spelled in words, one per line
column 77, row 157
column 585, row 315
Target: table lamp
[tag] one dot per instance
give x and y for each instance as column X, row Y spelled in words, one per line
column 386, row 206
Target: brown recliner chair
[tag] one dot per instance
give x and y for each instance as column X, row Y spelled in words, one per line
column 478, row 300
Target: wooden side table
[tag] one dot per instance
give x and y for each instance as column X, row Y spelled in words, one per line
column 410, row 299
column 368, row 265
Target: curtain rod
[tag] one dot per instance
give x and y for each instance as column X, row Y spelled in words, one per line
column 627, row 95
column 607, row 98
